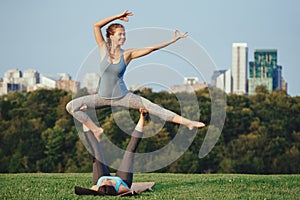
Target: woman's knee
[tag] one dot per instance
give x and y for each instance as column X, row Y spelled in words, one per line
column 69, row 107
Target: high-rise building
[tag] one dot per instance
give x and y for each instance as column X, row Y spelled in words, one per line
column 222, row 79
column 239, row 68
column 277, row 78
column 265, row 71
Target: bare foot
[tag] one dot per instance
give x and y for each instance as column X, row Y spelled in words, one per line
column 194, row 124
column 143, row 112
column 97, row 133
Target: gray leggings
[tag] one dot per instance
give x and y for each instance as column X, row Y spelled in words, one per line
column 130, row 100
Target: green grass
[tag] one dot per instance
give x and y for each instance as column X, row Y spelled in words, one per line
column 168, row 186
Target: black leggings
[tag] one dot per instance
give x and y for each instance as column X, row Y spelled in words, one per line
column 125, row 171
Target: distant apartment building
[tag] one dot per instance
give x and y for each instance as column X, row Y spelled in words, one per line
column 284, row 85
column 11, row 81
column 49, row 81
column 90, row 82
column 222, row 79
column 1, row 87
column 16, row 80
column 68, row 85
column 190, row 85
column 239, row 68
column 30, row 77
column 60, row 81
column 265, row 71
column 12, row 76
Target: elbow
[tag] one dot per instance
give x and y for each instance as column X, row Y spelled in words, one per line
column 97, row 28
column 97, row 25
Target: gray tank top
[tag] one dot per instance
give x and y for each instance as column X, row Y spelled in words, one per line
column 112, row 85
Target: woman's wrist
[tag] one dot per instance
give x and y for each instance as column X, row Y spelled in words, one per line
column 175, row 40
column 118, row 16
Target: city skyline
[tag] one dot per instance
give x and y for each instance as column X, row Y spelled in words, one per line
column 55, row 37
column 245, row 76
column 242, row 78
column 30, row 80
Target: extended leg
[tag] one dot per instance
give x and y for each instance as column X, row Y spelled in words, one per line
column 99, row 168
column 134, row 101
column 125, row 170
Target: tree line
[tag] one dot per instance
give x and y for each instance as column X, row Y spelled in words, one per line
column 261, row 133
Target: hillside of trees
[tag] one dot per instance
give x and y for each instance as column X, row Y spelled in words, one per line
column 261, row 134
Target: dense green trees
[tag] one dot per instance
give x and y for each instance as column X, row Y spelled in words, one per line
column 261, row 133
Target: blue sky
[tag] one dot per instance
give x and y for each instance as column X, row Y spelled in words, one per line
column 55, row 36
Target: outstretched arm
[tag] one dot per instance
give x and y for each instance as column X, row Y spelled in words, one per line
column 139, row 52
column 98, row 25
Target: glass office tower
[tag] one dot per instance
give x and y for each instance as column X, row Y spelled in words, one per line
column 264, row 71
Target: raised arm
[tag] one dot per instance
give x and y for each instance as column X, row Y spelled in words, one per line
column 98, row 25
column 139, row 52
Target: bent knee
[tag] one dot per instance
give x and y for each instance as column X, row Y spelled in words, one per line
column 69, row 107
column 72, row 107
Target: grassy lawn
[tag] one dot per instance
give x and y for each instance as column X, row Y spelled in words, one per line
column 168, row 186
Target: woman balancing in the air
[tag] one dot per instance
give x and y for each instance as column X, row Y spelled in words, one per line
column 112, row 90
